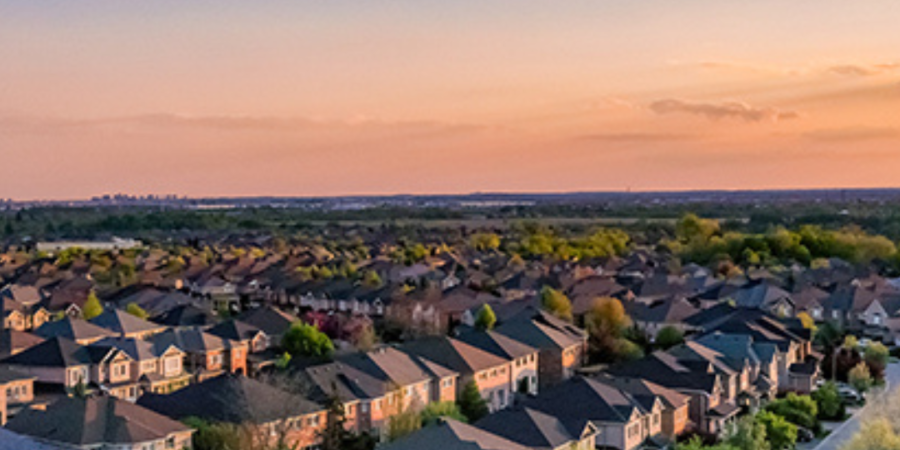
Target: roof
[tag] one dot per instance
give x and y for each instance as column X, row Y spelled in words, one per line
column 535, row 429
column 191, row 341
column 496, row 344
column 646, row 391
column 186, row 316
column 235, row 330
column 454, row 354
column 55, row 352
column 13, row 441
column 8, row 374
column 453, row 435
column 94, row 421
column 269, row 319
column 137, row 349
column 124, row 323
column 13, row 341
column 541, row 330
column 72, row 328
column 587, row 398
column 230, row 398
column 665, row 370
column 391, row 365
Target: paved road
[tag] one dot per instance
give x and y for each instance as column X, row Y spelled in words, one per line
column 842, row 434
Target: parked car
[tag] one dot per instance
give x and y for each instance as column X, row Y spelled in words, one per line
column 805, row 435
column 850, row 396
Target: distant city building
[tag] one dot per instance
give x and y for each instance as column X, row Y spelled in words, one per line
column 113, row 244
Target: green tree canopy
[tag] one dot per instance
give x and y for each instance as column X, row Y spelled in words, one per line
column 556, row 303
column 668, row 337
column 92, row 307
column 437, row 410
column 471, row 404
column 860, row 377
column 137, row 311
column 486, row 318
column 306, row 340
column 780, row 433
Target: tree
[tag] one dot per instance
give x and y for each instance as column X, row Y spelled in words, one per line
column 471, row 404
column 372, row 280
column 606, row 324
column 437, row 410
column 829, row 402
column 668, row 337
column 403, row 424
column 137, row 311
column 92, row 307
column 808, row 323
column 556, row 303
column 800, row 410
column 747, row 434
column 209, row 436
column 860, row 378
column 486, row 318
column 780, row 433
column 851, row 343
column 306, row 340
column 876, row 356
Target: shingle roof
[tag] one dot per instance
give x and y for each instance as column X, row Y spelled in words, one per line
column 453, row 354
column 496, row 344
column 269, row 319
column 586, row 398
column 71, row 328
column 94, row 421
column 55, row 352
column 232, row 399
column 121, row 322
column 535, row 429
column 453, row 435
column 235, row 330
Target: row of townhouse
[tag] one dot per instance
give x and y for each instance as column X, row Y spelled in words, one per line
column 740, row 359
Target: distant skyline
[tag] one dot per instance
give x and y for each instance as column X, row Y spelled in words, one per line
column 311, row 98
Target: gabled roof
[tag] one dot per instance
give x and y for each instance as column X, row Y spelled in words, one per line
column 235, row 330
column 191, row 341
column 137, row 349
column 232, row 399
column 13, row 341
column 535, row 429
column 269, row 319
column 665, row 370
column 496, row 344
column 14, row 441
column 647, row 392
column 186, row 316
column 393, row 366
column 123, row 323
column 453, row 354
column 453, row 435
column 94, row 421
column 541, row 330
column 72, row 328
column 588, row 399
column 54, row 352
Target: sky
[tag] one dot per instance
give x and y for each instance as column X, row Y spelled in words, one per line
column 338, row 97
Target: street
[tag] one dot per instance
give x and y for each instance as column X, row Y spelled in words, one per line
column 845, row 431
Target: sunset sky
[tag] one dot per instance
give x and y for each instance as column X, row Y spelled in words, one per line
column 334, row 97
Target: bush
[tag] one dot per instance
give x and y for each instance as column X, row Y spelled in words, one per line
column 780, row 433
column 306, row 340
column 799, row 410
column 669, row 337
column 860, row 378
column 828, row 399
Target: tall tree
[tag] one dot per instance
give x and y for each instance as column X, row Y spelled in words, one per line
column 556, row 303
column 306, row 340
column 486, row 318
column 92, row 307
column 471, row 404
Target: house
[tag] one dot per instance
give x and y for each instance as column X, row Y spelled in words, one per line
column 261, row 354
column 78, row 330
column 101, row 422
column 766, row 297
column 126, row 325
column 676, row 406
column 655, row 315
column 235, row 399
column 186, row 316
column 525, row 358
column 58, row 361
column 492, row 374
column 453, row 435
column 206, row 355
column 21, row 309
column 708, row 411
column 561, row 345
column 376, row 385
column 620, row 421
column 540, row 431
column 157, row 367
column 271, row 320
column 16, row 390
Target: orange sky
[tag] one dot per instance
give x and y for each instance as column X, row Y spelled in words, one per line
column 420, row 96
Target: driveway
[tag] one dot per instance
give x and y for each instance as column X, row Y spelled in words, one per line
column 845, row 431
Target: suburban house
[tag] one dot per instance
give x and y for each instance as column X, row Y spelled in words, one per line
column 492, row 374
column 453, row 435
column 256, row 340
column 561, row 345
column 271, row 320
column 157, row 368
column 275, row 412
column 620, row 420
column 675, row 412
column 540, row 431
column 57, row 361
column 206, row 355
column 16, row 391
column 101, row 422
column 525, row 358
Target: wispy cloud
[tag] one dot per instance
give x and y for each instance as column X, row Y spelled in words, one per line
column 625, row 138
column 724, row 110
column 863, row 70
column 853, row 134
